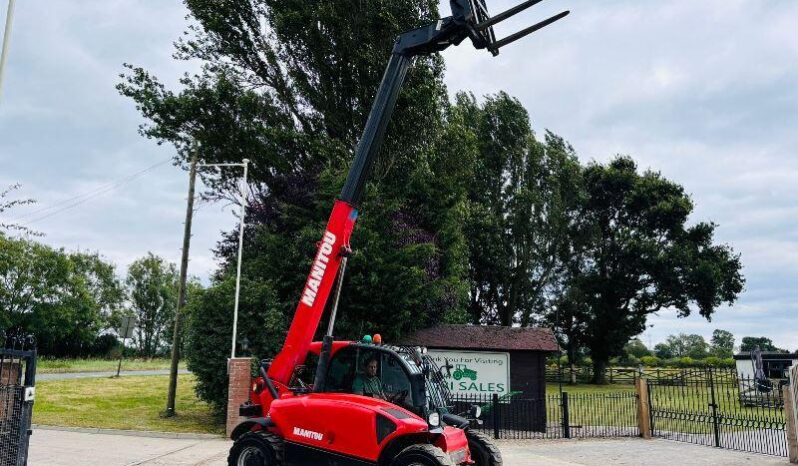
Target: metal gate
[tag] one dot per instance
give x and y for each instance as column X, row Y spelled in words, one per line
column 17, row 391
column 717, row 408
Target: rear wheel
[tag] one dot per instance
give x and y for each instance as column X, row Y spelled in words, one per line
column 256, row 449
column 483, row 451
column 422, row 455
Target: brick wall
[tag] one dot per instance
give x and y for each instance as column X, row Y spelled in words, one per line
column 240, row 378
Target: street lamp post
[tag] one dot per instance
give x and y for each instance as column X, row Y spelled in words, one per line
column 6, row 40
column 243, row 200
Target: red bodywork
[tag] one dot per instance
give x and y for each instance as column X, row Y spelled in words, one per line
column 346, row 424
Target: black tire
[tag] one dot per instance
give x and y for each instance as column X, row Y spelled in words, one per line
column 483, row 451
column 259, row 448
column 422, row 455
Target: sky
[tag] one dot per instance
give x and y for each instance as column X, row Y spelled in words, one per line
column 704, row 92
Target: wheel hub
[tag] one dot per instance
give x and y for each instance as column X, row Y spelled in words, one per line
column 251, row 456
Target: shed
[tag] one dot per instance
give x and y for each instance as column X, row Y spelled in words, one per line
column 774, row 364
column 518, row 352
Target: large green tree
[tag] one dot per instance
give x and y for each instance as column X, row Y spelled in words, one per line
column 64, row 299
column 763, row 343
column 633, row 254
column 289, row 85
column 722, row 343
column 684, row 345
column 152, row 293
column 522, row 199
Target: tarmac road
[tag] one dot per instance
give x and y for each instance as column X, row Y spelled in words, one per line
column 61, row 448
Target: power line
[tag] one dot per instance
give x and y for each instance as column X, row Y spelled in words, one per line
column 75, row 201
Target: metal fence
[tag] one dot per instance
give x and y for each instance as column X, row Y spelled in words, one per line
column 720, row 409
column 572, row 415
column 17, row 381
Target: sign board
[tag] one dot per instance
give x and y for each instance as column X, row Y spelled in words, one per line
column 126, row 327
column 474, row 372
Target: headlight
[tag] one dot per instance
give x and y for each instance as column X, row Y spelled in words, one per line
column 434, row 419
column 476, row 411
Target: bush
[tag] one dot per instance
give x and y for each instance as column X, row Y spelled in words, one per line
column 104, row 346
column 685, row 361
column 728, row 362
column 650, row 361
column 210, row 327
column 713, row 361
column 629, row 360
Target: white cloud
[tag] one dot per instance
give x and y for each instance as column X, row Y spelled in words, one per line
column 702, row 91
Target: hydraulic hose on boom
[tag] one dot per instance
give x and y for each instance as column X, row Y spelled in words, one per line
column 469, row 19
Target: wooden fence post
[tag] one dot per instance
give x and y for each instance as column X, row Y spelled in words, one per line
column 792, row 429
column 643, row 408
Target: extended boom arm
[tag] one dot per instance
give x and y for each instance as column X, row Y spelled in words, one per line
column 469, row 19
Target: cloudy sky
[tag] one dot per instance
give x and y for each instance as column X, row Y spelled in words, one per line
column 704, row 92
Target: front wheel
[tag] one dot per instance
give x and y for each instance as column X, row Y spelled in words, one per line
column 483, row 451
column 422, row 455
column 259, row 448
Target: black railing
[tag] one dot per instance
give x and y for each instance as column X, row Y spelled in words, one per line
column 572, row 415
column 17, row 381
column 719, row 410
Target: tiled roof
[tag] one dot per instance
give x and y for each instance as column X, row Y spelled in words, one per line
column 485, row 337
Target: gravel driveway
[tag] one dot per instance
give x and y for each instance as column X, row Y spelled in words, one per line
column 60, row 448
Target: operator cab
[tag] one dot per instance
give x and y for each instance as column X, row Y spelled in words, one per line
column 400, row 377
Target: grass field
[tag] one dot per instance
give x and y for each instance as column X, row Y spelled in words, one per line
column 50, row 366
column 131, row 403
column 681, row 408
column 554, row 389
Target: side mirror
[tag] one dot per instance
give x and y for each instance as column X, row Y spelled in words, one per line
column 418, row 388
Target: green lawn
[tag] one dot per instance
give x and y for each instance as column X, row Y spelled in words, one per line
column 554, row 389
column 49, row 366
column 131, row 403
column 681, row 408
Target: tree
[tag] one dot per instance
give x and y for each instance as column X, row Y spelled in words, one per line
column 7, row 205
column 521, row 200
column 289, row 84
column 636, row 348
column 663, row 351
column 683, row 345
column 152, row 291
column 634, row 254
column 765, row 344
column 64, row 299
column 722, row 344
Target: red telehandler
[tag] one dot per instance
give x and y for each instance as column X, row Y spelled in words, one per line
column 344, row 417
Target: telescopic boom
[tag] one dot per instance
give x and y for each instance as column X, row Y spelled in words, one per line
column 470, row 19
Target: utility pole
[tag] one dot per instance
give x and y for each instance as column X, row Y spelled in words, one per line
column 6, row 40
column 181, row 294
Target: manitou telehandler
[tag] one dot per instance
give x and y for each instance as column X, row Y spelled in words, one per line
column 368, row 404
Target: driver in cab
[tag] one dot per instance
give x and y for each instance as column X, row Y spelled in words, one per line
column 369, row 384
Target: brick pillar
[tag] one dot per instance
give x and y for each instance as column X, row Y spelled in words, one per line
column 239, row 380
